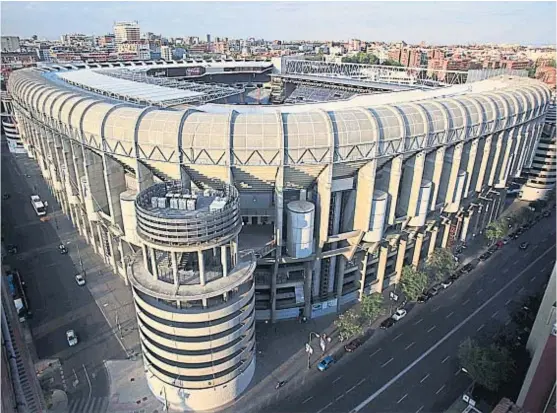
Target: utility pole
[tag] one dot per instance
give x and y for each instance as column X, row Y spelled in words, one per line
column 118, row 325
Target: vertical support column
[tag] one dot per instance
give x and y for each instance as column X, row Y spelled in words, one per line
column 437, row 171
column 504, row 170
column 154, row 265
column 465, row 226
column 432, row 241
column 455, row 167
column 123, row 260
column 446, row 232
column 381, row 268
column 363, row 276
column 364, row 195
column 417, row 250
column 498, row 145
column 337, row 196
column 323, row 211
column 101, row 246
column 224, row 260
column 483, row 164
column 419, row 162
column 394, row 184
column 279, row 223
column 202, row 278
column 470, row 167
column 400, row 259
column 112, row 258
column 340, row 279
column 174, row 258
column 145, row 256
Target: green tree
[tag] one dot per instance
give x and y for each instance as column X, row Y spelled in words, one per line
column 440, row 264
column 495, row 231
column 413, row 282
column 488, row 366
column 522, row 216
column 349, row 324
column 371, row 307
column 391, row 62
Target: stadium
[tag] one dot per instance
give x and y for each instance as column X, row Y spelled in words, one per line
column 229, row 192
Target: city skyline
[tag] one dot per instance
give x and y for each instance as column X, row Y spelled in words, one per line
column 438, row 23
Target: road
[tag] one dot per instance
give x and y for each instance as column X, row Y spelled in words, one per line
column 57, row 302
column 413, row 366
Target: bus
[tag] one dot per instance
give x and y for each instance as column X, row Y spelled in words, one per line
column 38, row 205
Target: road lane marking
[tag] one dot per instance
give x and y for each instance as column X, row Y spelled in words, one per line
column 480, row 327
column 440, row 389
column 449, row 315
column 452, row 297
column 506, row 270
column 495, row 314
column 457, row 372
column 508, row 322
column 466, row 302
column 391, row 359
column 397, row 337
column 339, row 397
column 337, row 379
column 420, row 409
column 533, row 278
column 409, row 345
column 360, row 382
column 492, row 280
column 419, row 321
column 409, row 367
column 424, row 378
column 508, row 301
column 479, row 291
column 375, row 352
column 434, row 309
column 445, row 359
column 351, row 388
column 521, row 290
column 516, row 262
column 402, row 398
column 307, row 400
column 431, row 329
column 327, row 406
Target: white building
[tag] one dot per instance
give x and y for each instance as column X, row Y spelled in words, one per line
column 166, row 53
column 127, row 32
column 10, row 44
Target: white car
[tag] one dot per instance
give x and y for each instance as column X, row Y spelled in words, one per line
column 80, row 280
column 446, row 284
column 71, row 337
column 399, row 314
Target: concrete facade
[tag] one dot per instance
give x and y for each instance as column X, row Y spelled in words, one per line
column 392, row 177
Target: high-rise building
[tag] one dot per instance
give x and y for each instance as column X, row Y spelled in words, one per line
column 127, row 32
column 10, row 44
column 208, row 38
column 166, row 53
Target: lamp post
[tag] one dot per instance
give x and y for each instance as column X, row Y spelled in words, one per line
column 309, row 348
column 473, row 381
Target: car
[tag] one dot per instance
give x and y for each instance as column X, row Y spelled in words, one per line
column 524, row 245
column 389, row 322
column 492, row 249
column 520, row 231
column 71, row 337
column 353, row 345
column 80, row 280
column 446, row 284
column 467, row 268
column 546, row 214
column 5, row 196
column 325, row 363
column 424, row 298
column 506, row 240
column 11, row 248
column 456, row 275
column 484, row 256
column 62, row 248
column 433, row 291
column 399, row 314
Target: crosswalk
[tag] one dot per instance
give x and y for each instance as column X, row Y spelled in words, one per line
column 93, row 405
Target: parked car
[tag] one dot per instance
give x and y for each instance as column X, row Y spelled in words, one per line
column 62, row 248
column 399, row 314
column 524, row 245
column 11, row 248
column 506, row 240
column 484, row 256
column 325, row 363
column 446, row 284
column 5, row 196
column 467, row 268
column 353, row 345
column 456, row 275
column 80, row 280
column 433, row 291
column 492, row 249
column 424, row 298
column 71, row 337
column 388, row 323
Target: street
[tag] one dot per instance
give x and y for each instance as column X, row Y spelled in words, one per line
column 413, row 366
column 58, row 304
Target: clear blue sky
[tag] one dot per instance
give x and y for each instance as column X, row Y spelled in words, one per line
column 433, row 22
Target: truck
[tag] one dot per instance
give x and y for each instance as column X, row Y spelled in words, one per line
column 38, row 205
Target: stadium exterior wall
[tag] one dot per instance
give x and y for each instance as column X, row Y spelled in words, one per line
column 441, row 159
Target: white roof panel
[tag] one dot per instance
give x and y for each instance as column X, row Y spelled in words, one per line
column 141, row 91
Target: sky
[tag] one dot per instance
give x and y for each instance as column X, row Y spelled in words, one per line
column 527, row 23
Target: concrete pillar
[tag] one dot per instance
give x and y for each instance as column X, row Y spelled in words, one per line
column 470, row 166
column 501, row 177
column 363, row 276
column 201, row 267
column 115, row 183
column 340, row 279
column 308, row 268
column 224, row 260
column 234, row 251
column 498, row 147
column 101, row 242
column 400, row 259
column 145, row 256
column 483, row 164
column 465, row 226
column 323, row 211
column 394, row 184
column 364, row 195
column 455, row 167
column 418, row 173
column 436, row 180
column 381, row 268
column 174, row 259
column 154, row 265
column 432, row 241
column 112, row 258
column 337, row 196
column 417, row 250
column 446, row 232
column 279, row 223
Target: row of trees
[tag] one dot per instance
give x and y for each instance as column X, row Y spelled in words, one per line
column 369, row 59
column 354, row 321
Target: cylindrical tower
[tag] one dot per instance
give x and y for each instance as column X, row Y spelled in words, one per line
column 194, row 296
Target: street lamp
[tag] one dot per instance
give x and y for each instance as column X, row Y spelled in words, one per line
column 473, row 380
column 309, row 348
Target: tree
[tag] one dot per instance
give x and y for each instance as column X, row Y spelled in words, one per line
column 371, row 307
column 413, row 282
column 391, row 62
column 495, row 231
column 488, row 366
column 440, row 264
column 349, row 324
column 522, row 216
